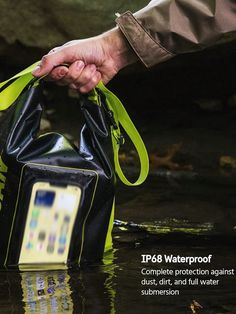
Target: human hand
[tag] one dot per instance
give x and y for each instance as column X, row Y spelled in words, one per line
column 88, row 61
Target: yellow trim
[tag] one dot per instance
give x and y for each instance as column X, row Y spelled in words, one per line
column 17, row 200
column 94, row 96
column 42, row 267
column 108, row 243
column 109, row 284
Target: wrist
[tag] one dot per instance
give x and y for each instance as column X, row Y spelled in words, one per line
column 117, row 47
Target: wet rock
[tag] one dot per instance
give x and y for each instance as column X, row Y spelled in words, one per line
column 41, row 25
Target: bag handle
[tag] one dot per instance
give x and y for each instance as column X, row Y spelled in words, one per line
column 121, row 117
column 22, row 79
column 10, row 93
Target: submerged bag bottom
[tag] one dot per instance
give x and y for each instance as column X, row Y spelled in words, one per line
column 50, row 217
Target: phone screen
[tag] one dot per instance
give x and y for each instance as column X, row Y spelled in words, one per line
column 49, row 224
column 44, row 198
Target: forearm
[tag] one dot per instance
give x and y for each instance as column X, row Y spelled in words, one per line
column 166, row 28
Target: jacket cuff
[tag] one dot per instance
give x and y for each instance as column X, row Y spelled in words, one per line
column 149, row 51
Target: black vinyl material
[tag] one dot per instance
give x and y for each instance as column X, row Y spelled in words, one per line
column 52, row 158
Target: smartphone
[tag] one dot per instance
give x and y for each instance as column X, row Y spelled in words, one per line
column 49, row 224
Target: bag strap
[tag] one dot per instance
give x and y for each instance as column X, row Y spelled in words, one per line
column 121, row 117
column 10, row 93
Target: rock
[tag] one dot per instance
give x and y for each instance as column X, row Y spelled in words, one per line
column 33, row 27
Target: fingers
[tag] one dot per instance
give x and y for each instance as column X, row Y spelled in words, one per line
column 57, row 73
column 88, row 79
column 85, row 76
column 91, row 84
column 54, row 50
column 78, row 76
column 64, row 75
column 48, row 62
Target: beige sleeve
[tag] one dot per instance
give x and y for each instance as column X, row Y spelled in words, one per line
column 165, row 28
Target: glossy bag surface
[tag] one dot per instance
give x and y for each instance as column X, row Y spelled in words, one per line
column 29, row 158
column 57, row 199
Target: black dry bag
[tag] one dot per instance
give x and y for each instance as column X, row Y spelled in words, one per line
column 56, row 199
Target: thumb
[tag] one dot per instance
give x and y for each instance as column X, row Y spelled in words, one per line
column 48, row 62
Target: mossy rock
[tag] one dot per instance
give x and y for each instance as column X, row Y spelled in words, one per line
column 29, row 28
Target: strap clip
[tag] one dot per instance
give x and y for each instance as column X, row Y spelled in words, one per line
column 120, row 139
column 112, row 119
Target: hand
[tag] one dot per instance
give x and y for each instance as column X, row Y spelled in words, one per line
column 88, row 61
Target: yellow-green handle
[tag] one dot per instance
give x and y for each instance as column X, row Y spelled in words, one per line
column 121, row 116
column 9, row 94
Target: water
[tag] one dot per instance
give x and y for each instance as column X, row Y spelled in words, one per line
column 115, row 285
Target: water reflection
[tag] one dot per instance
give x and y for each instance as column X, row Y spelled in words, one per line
column 115, row 286
column 90, row 290
column 46, row 292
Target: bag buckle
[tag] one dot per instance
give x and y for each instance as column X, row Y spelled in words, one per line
column 120, row 139
column 112, row 119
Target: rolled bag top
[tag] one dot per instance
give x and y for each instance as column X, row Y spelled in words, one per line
column 13, row 87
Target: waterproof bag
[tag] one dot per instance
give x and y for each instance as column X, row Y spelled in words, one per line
column 56, row 199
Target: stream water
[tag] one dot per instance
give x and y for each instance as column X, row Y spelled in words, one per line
column 117, row 286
